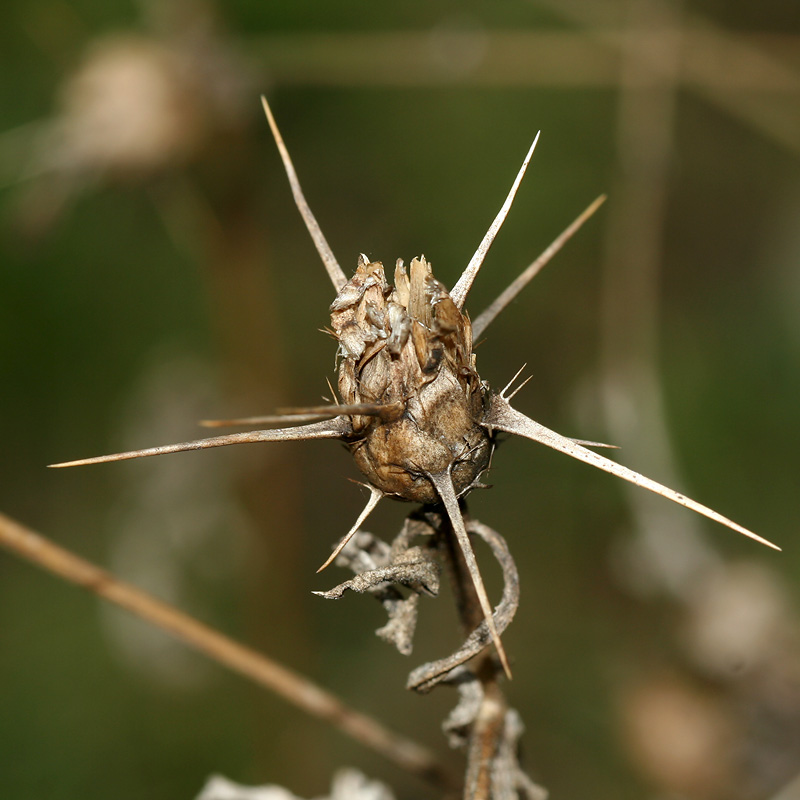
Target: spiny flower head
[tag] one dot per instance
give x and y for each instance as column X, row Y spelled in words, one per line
column 407, row 350
column 415, row 414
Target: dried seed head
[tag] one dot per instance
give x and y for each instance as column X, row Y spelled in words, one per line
column 408, row 349
column 415, row 414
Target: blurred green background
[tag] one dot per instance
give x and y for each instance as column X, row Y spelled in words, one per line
column 155, row 272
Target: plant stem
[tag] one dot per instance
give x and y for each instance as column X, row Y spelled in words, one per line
column 488, row 726
column 293, row 687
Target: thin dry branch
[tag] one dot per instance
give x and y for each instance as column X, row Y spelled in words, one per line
column 487, row 732
column 733, row 70
column 492, row 767
column 294, row 688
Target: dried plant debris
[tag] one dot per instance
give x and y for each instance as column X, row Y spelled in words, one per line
column 470, row 696
column 414, row 412
column 379, row 569
column 220, row 788
column 425, row 677
column 347, row 784
column 508, row 778
column 463, row 730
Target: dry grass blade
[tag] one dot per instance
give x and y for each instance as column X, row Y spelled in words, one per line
column 502, row 417
column 444, row 486
column 375, row 496
column 320, row 242
column 337, row 428
column 485, row 318
column 461, row 289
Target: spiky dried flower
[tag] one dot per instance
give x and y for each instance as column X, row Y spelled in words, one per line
column 407, row 352
column 416, row 416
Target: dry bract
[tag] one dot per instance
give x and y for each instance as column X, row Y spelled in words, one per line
column 408, row 351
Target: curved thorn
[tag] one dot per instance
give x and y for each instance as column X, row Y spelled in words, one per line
column 376, row 495
column 338, row 428
column 485, row 318
column 502, row 417
column 444, row 486
column 461, row 289
column 335, row 273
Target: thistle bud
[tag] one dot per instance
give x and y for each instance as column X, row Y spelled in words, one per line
column 407, row 351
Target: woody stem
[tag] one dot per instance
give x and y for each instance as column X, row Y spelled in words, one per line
column 488, row 726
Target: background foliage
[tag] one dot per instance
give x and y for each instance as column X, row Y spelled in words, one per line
column 155, row 272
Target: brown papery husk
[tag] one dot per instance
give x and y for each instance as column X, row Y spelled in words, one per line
column 410, row 347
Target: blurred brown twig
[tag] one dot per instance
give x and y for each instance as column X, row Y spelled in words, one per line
column 290, row 685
